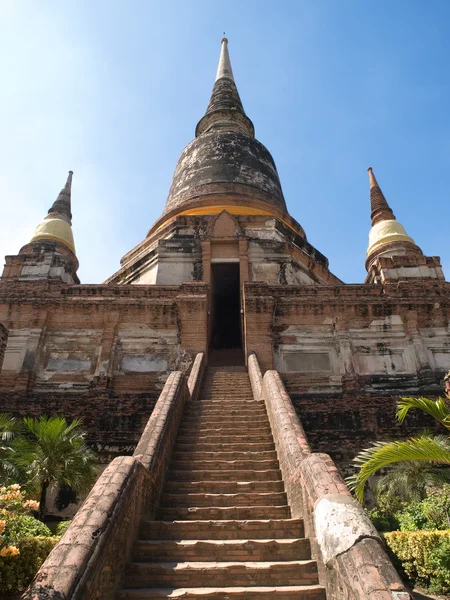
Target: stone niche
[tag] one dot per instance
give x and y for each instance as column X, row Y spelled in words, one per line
column 19, row 342
column 69, row 355
column 143, row 349
column 143, row 363
column 69, row 362
column 437, row 343
column 307, row 351
column 306, row 362
column 383, row 348
column 387, row 360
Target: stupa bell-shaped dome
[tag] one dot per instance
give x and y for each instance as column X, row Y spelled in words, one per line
column 225, row 165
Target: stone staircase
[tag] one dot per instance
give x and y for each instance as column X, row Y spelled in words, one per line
column 223, row 529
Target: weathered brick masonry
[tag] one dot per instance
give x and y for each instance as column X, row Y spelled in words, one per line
column 3, row 342
column 358, row 329
column 72, row 352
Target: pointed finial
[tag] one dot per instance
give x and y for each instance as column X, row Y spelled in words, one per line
column 68, row 185
column 224, row 69
column 225, row 110
column 372, row 179
column 57, row 224
column 62, row 205
column 385, row 227
column 380, row 209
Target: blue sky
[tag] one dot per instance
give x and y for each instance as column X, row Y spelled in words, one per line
column 114, row 89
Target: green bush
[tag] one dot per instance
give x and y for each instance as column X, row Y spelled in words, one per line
column 61, row 528
column 385, row 514
column 19, row 526
column 424, row 555
column 16, row 572
column 383, row 521
column 431, row 513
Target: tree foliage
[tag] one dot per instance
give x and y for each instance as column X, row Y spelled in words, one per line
column 424, row 448
column 409, row 481
column 46, row 450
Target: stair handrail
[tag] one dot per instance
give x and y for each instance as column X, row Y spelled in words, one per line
column 349, row 552
column 196, row 375
column 88, row 561
column 255, row 374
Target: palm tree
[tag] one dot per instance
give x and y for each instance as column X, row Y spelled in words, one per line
column 408, row 481
column 10, row 427
column 50, row 450
column 424, row 448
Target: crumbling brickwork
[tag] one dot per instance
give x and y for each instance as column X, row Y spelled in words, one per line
column 100, row 353
column 3, row 342
column 347, row 353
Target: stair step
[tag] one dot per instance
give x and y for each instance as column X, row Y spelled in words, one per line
column 223, row 487
column 225, row 475
column 225, row 447
column 222, row 530
column 225, row 439
column 224, row 500
column 216, row 430
column 195, row 454
column 226, row 396
column 185, row 574
column 251, row 437
column 217, row 513
column 244, row 408
column 226, row 429
column 225, row 403
column 228, row 465
column 225, row 419
column 292, row 592
column 237, row 386
column 221, row 550
column 227, row 400
column 210, row 413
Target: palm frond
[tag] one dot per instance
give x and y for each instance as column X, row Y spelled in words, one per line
column 439, row 409
column 382, row 454
column 10, row 427
column 409, row 480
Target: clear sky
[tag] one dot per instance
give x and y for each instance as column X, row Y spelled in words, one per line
column 113, row 90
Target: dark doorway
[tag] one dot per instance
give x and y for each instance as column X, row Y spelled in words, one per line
column 226, row 307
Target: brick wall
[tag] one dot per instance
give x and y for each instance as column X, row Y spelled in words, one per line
column 346, row 353
column 343, row 424
column 3, row 342
column 117, row 339
column 114, row 422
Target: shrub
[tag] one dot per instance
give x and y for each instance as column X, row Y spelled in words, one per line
column 433, row 512
column 385, row 514
column 13, row 499
column 18, row 526
column 424, row 555
column 62, row 527
column 382, row 520
column 16, row 572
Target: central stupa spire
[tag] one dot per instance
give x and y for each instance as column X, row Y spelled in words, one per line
column 225, row 167
column 225, row 111
column 224, row 69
